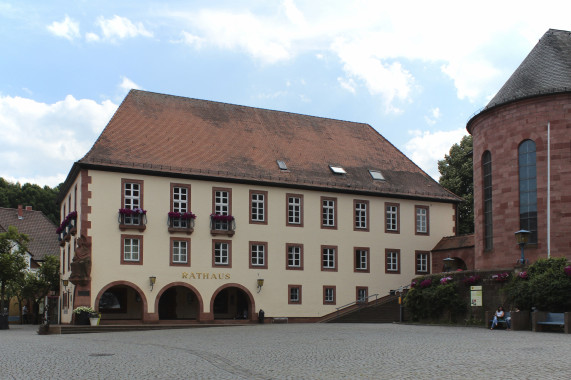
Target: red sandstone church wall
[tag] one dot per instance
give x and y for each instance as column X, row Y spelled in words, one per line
column 501, row 131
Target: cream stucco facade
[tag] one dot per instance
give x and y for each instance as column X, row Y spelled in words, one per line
column 97, row 195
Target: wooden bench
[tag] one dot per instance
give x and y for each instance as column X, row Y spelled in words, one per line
column 279, row 320
column 542, row 319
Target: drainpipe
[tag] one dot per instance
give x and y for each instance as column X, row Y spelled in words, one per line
column 548, row 190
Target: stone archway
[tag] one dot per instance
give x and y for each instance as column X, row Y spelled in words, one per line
column 121, row 301
column 179, row 301
column 233, row 301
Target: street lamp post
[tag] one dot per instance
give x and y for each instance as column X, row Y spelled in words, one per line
column 522, row 237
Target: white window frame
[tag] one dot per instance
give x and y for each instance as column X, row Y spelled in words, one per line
column 392, row 218
column 258, row 211
column 422, row 262
column 329, row 295
column 361, row 259
column 258, row 254
column 361, row 215
column 328, row 258
column 392, row 258
column 294, row 210
column 221, row 253
column 131, row 200
column 179, row 252
column 294, row 256
column 328, row 213
column 131, row 249
column 421, row 220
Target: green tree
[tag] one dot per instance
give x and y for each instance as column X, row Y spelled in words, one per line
column 41, row 199
column 456, row 174
column 13, row 247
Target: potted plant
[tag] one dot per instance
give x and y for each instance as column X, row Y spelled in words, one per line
column 94, row 319
column 83, row 314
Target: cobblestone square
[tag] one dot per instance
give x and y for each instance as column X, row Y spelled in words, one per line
column 294, row 351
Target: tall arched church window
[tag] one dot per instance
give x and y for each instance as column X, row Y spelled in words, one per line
column 528, row 189
column 487, row 176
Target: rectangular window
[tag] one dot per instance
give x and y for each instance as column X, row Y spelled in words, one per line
column 392, row 218
column 180, row 252
column 362, row 293
column 361, row 259
column 328, row 294
column 422, row 262
column 487, row 193
column 294, row 210
column 222, row 253
column 132, row 198
column 421, row 217
column 294, row 256
column 258, row 255
column 328, row 258
column 392, row 260
column 180, row 202
column 328, row 212
column 361, row 215
column 221, row 205
column 132, row 249
column 294, row 294
column 258, row 207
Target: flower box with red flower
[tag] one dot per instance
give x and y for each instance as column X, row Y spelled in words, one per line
column 501, row 277
column 222, row 224
column 132, row 219
column 181, row 222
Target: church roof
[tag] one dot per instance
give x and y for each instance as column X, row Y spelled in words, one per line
column 189, row 138
column 545, row 70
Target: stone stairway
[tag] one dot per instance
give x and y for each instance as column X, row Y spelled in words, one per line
column 384, row 310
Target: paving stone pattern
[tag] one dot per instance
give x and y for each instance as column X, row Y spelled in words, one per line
column 293, row 351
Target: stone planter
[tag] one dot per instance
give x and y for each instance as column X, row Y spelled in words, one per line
column 94, row 321
column 82, row 318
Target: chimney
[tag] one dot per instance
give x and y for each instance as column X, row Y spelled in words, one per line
column 20, row 212
column 28, row 208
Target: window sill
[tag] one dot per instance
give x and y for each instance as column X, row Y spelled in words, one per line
column 222, row 232
column 174, row 230
column 138, row 227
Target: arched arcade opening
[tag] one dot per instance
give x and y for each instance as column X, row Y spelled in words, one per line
column 233, row 301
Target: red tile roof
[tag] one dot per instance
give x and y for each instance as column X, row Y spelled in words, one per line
column 40, row 230
column 176, row 136
column 454, row 242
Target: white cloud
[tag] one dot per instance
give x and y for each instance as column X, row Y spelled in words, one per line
column 127, row 84
column 191, row 40
column 120, row 28
column 383, row 44
column 36, row 136
column 68, row 28
column 92, row 37
column 433, row 117
column 427, row 148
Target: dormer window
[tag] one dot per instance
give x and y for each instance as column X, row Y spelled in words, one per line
column 377, row 175
column 282, row 165
column 337, row 169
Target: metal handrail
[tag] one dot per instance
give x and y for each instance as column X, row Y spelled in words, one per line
column 376, row 295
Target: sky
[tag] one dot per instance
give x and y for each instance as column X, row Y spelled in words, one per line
column 416, row 71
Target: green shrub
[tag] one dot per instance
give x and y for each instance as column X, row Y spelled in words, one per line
column 545, row 287
column 433, row 299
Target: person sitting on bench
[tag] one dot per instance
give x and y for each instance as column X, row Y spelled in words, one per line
column 499, row 315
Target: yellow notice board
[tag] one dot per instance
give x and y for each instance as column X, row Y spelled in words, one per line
column 476, row 295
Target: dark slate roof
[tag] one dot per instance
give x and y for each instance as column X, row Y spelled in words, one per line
column 546, row 69
column 454, row 242
column 190, row 138
column 40, row 230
